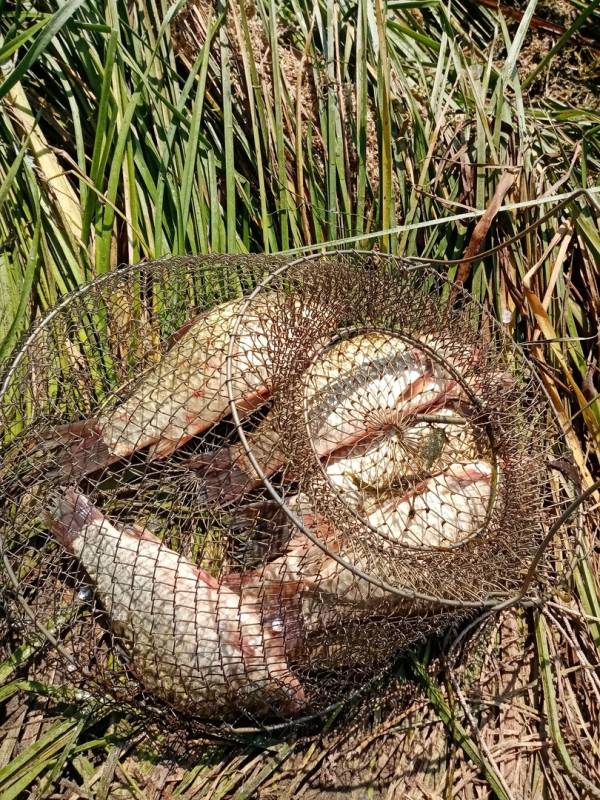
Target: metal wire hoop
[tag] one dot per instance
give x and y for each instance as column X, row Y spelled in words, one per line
column 294, row 518
column 494, row 478
column 238, row 428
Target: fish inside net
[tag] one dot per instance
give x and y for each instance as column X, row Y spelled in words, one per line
column 238, row 488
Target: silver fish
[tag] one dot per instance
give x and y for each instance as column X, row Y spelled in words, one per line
column 191, row 640
column 185, row 393
column 402, row 455
column 441, row 511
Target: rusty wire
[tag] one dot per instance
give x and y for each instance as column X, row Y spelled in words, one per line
column 238, row 487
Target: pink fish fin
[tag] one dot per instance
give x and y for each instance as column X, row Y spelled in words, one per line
column 277, row 599
column 416, row 387
column 273, row 580
column 224, row 476
column 285, row 606
column 294, row 699
column 73, row 512
column 286, row 635
column 449, row 393
column 182, row 331
column 462, row 473
column 279, row 608
column 252, row 580
column 323, row 528
column 472, row 472
column 77, row 449
column 297, row 700
column 273, row 573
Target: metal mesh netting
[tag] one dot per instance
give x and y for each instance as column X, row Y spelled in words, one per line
column 239, row 487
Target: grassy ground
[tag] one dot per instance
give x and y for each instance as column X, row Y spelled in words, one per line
column 134, row 131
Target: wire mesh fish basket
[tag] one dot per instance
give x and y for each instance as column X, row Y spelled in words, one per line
column 234, row 489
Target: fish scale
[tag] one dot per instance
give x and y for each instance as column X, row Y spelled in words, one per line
column 189, row 638
column 342, row 388
column 185, row 393
column 446, row 510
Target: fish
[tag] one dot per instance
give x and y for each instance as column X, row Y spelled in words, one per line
column 442, row 511
column 360, row 387
column 439, row 512
column 190, row 639
column 185, row 393
column 400, row 457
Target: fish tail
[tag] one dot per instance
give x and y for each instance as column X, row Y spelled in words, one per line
column 224, row 477
column 72, row 514
column 77, row 450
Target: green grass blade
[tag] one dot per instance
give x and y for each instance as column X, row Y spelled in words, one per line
column 20, row 773
column 51, row 29
column 575, row 26
column 31, row 268
column 229, row 150
column 457, row 731
column 104, row 229
column 383, row 85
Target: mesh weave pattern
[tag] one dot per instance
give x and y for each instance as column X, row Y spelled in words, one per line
column 238, row 487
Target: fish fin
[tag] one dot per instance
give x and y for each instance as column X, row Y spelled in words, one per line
column 177, row 335
column 72, row 513
column 282, row 618
column 253, row 400
column 77, row 450
column 292, row 697
column 223, row 476
column 275, row 573
column 280, row 608
column 471, row 472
